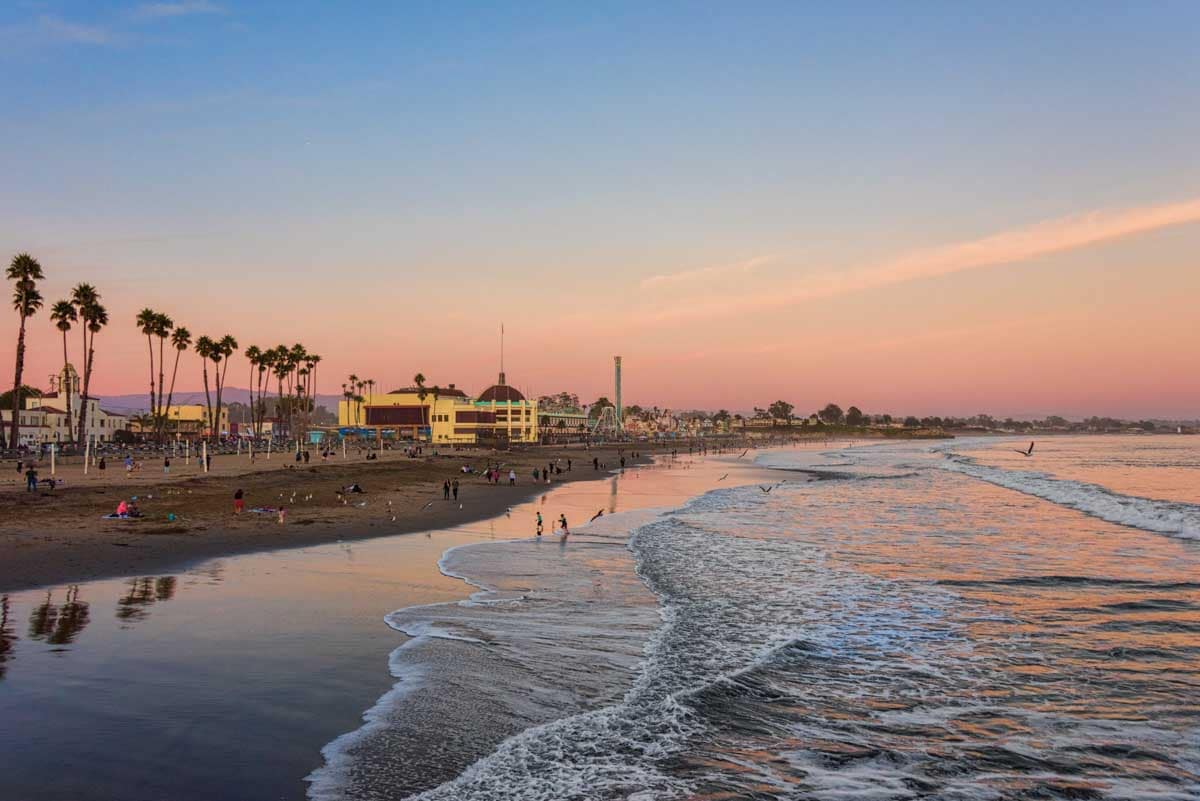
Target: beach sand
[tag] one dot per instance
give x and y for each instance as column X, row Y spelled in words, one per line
column 62, row 535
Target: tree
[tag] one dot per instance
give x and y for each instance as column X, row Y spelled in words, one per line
column 94, row 317
column 162, row 329
column 146, row 320
column 64, row 315
column 225, row 350
column 911, row 422
column 595, row 410
column 832, row 414
column 253, row 356
column 854, row 416
column 781, row 410
column 205, row 348
column 181, row 340
column 24, row 272
column 6, row 397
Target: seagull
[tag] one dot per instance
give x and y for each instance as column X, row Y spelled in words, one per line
column 1025, row 453
column 598, row 514
column 766, row 489
column 744, row 452
column 426, row 506
column 722, row 478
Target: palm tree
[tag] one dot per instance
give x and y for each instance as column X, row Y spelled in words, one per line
column 63, row 314
column 162, row 329
column 253, row 354
column 354, row 382
column 96, row 317
column 147, row 319
column 225, row 350
column 181, row 338
column 85, row 298
column 205, row 348
column 25, row 272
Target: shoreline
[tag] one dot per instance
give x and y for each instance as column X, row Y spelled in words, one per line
column 476, row 567
column 55, row 545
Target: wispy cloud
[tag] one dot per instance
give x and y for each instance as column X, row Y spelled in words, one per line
column 704, row 273
column 48, row 29
column 1009, row 247
column 179, row 8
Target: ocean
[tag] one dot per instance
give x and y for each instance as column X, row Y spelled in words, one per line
column 945, row 620
column 908, row 620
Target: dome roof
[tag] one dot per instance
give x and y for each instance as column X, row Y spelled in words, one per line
column 501, row 393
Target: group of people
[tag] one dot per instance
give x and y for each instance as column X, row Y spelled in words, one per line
column 563, row 531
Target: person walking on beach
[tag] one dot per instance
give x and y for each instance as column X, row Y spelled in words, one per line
column 31, row 479
column 446, row 490
column 562, row 522
column 537, row 475
column 239, row 501
column 512, row 478
column 539, row 523
column 102, row 464
column 166, row 465
column 568, row 465
column 595, row 462
column 454, row 489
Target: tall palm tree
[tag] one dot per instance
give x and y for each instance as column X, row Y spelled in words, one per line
column 146, row 321
column 96, row 317
column 181, row 339
column 225, row 348
column 63, row 314
column 205, row 348
column 162, row 329
column 253, row 354
column 83, row 297
column 25, row 272
column 353, row 408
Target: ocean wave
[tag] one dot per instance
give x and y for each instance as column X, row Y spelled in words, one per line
column 1164, row 517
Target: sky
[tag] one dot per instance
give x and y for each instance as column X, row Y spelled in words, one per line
column 934, row 208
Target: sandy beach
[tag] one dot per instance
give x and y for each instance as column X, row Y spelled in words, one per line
column 62, row 535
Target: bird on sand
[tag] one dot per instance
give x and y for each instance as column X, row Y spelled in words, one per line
column 1025, row 453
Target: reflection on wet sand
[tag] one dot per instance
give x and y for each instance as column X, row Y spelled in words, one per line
column 143, row 592
column 7, row 635
column 59, row 625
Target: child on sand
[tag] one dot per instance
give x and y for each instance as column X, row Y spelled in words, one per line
column 239, row 502
column 282, row 515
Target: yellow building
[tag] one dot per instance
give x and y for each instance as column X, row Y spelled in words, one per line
column 192, row 420
column 447, row 416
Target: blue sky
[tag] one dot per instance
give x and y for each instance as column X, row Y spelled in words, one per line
column 255, row 142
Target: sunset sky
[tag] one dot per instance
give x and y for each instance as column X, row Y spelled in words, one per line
column 914, row 208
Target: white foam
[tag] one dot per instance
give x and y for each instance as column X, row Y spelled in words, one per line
column 1164, row 517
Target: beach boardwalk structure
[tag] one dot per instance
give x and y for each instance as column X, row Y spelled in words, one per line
column 445, row 416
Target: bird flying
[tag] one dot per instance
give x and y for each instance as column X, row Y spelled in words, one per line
column 1026, row 453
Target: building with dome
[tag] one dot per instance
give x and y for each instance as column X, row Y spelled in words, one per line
column 501, row 414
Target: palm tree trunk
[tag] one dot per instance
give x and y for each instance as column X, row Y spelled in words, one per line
column 150, row 347
column 160, row 424
column 171, row 393
column 220, row 388
column 15, row 433
column 87, row 382
column 82, row 422
column 67, row 389
column 207, row 397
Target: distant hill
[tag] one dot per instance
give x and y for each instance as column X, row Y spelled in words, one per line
column 140, row 403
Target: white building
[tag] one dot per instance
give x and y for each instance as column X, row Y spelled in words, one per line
column 44, row 419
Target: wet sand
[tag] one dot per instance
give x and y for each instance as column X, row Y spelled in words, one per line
column 61, row 536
